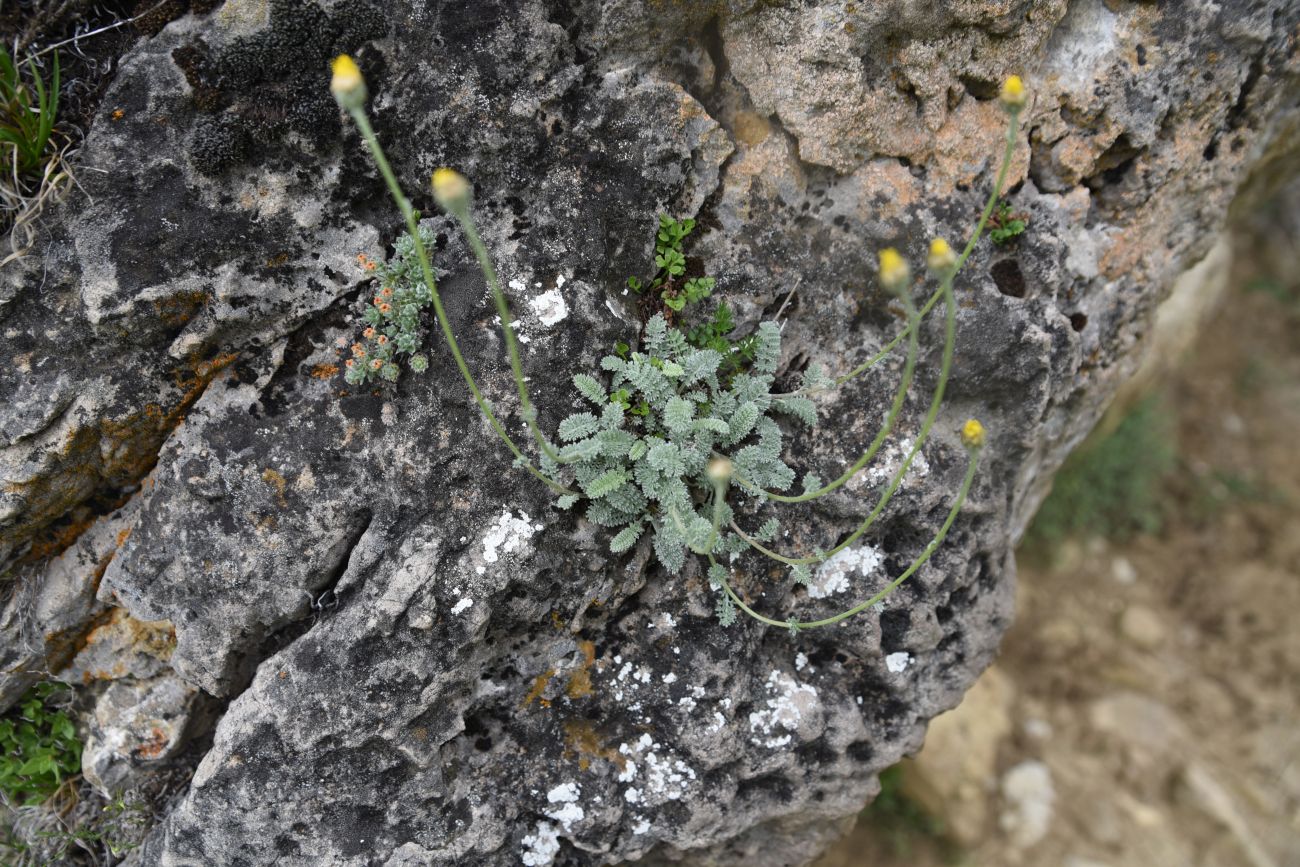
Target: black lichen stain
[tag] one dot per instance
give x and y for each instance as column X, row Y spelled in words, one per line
column 262, row 87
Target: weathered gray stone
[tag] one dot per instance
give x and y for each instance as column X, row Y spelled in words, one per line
column 425, row 662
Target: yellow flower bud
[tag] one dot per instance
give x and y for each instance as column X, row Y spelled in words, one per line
column 347, row 85
column 450, row 189
column 941, row 256
column 894, row 273
column 973, row 434
column 719, row 471
column 1013, row 93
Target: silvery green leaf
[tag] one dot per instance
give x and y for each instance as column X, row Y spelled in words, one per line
column 767, row 352
column 655, row 331
column 637, row 451
column 700, row 364
column 671, row 369
column 666, row 458
column 589, row 388
column 567, row 501
column 605, row 483
column 577, row 426
column 612, row 416
column 768, row 531
column 669, row 548
column 800, row 407
column 811, row 482
column 742, row 422
column 678, row 415
column 716, row 425
column 625, row 538
column 584, row 450
column 726, row 611
column 615, row 443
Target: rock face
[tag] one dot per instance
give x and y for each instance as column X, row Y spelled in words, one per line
column 423, row 661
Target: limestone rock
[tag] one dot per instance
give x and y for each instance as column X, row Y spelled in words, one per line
column 955, row 774
column 421, row 660
column 1029, row 795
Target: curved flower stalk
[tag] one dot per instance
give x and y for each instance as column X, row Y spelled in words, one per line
column 943, row 263
column 680, row 419
column 349, row 89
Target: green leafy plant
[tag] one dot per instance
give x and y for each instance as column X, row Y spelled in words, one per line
column 27, row 112
column 39, row 747
column 715, row 334
column 670, row 262
column 671, row 433
column 393, row 317
column 32, row 172
column 1005, row 224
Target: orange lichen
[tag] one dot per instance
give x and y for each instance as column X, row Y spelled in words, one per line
column 176, row 310
column 277, row 260
column 580, row 681
column 582, row 742
column 154, row 747
column 109, row 453
column 273, row 478
column 324, row 371
column 539, row 686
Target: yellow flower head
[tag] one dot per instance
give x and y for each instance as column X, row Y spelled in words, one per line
column 450, row 189
column 973, row 434
column 894, row 273
column 347, row 85
column 1013, row 93
column 941, row 256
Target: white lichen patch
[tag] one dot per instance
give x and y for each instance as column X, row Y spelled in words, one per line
column 662, row 776
column 541, row 847
column 462, row 605
column 549, row 307
column 898, row 662
column 567, row 810
column 891, row 459
column 834, row 576
column 788, row 705
column 507, row 535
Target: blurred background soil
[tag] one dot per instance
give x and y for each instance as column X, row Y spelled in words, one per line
column 1145, row 709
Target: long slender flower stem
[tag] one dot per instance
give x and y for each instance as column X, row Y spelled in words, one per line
column 950, row 338
column 408, row 213
column 1013, row 132
column 962, row 493
column 865, row 458
column 466, row 220
column 945, row 292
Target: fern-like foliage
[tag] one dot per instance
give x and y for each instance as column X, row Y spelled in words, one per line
column 648, row 470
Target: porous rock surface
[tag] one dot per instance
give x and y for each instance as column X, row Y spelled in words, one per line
column 414, row 658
